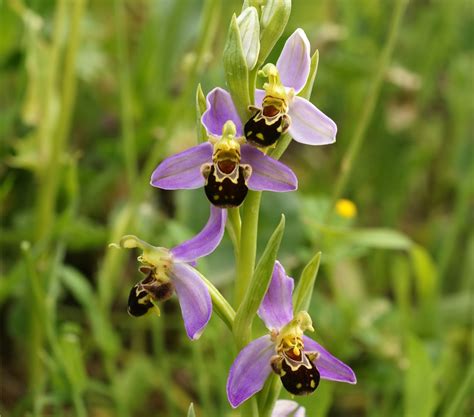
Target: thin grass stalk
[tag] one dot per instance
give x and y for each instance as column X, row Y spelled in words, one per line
column 357, row 139
column 50, row 177
column 126, row 114
column 36, row 338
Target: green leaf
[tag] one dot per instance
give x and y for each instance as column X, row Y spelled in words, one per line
column 200, row 109
column 236, row 71
column 379, row 238
column 419, row 388
column 426, row 285
column 425, row 272
column 258, row 287
column 72, row 356
column 82, row 291
column 191, row 412
column 459, row 404
column 304, row 289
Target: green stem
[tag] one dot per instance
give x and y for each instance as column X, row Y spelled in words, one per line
column 37, row 316
column 249, row 408
column 221, row 305
column 370, row 102
column 125, row 95
column 46, row 128
column 234, row 223
column 270, row 395
column 79, row 405
column 248, row 244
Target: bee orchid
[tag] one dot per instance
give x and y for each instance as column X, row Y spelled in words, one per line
column 169, row 271
column 298, row 360
column 226, row 167
column 277, row 108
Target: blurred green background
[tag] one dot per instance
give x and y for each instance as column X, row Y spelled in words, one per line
column 95, row 94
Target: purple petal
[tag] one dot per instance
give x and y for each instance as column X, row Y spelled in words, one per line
column 268, row 174
column 194, row 299
column 294, row 61
column 250, row 370
column 329, row 366
column 310, row 125
column 259, row 96
column 276, row 309
column 206, row 241
column 183, row 170
column 288, row 408
column 220, row 108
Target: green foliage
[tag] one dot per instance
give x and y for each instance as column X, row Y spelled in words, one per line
column 94, row 96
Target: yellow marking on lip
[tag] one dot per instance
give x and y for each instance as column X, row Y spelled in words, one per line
column 216, row 197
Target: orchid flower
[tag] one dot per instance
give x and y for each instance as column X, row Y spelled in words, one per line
column 288, row 408
column 297, row 359
column 225, row 167
column 277, row 107
column 169, row 270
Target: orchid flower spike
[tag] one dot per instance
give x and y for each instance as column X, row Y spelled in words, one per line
column 225, row 167
column 297, row 359
column 168, row 270
column 277, row 108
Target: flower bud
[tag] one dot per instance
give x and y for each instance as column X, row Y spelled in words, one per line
column 249, row 28
column 236, row 70
column 274, row 18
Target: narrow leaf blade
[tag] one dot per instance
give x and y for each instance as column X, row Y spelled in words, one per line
column 304, row 289
column 258, row 286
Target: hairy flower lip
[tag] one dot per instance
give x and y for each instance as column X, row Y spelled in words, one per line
column 183, row 170
column 252, row 365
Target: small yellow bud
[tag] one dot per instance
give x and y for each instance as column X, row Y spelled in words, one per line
column 346, row 208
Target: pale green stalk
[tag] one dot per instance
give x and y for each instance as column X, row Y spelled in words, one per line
column 370, row 102
column 126, row 116
column 36, row 330
column 270, row 396
column 234, row 224
column 50, row 177
column 46, row 198
column 221, row 306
